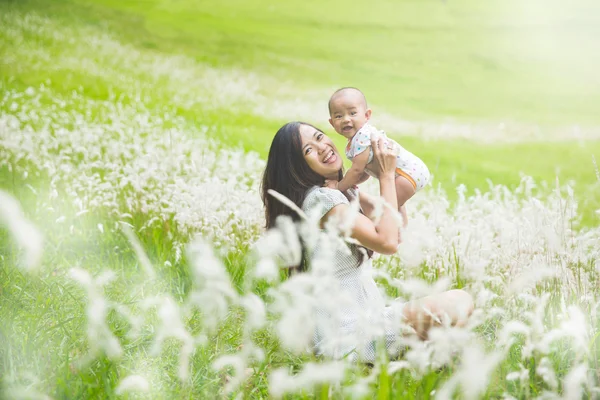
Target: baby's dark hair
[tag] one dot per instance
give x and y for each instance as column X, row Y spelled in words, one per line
column 342, row 91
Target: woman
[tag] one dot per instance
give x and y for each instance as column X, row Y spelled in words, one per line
column 301, row 158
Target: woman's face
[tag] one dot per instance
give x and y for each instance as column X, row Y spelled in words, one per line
column 319, row 152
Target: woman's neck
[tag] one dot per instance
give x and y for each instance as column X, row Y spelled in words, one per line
column 333, row 176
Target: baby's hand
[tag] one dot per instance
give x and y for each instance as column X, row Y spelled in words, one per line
column 331, row 184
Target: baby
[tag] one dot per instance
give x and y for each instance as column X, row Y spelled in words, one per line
column 349, row 116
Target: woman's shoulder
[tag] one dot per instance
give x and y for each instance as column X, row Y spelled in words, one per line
column 323, row 198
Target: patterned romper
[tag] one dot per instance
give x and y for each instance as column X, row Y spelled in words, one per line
column 363, row 321
column 407, row 164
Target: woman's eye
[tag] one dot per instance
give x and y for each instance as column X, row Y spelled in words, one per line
column 319, row 136
column 306, row 151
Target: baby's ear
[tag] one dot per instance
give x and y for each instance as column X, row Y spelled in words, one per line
column 331, row 122
column 368, row 113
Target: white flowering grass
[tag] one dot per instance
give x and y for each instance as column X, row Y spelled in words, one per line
column 236, row 106
column 211, row 331
column 156, row 278
column 24, row 233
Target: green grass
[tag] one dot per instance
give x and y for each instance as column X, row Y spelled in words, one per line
column 428, row 60
column 420, row 60
column 368, row 47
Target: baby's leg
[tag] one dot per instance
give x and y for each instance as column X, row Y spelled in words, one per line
column 404, row 215
column 404, row 191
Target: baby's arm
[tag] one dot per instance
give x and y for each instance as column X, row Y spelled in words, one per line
column 356, row 171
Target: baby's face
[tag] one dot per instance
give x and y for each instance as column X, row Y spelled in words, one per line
column 348, row 114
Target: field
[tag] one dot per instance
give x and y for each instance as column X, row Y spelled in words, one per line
column 133, row 135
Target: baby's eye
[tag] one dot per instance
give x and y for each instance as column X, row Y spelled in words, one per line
column 353, row 113
column 338, row 116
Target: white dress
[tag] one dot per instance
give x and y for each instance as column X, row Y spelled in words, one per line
column 363, row 321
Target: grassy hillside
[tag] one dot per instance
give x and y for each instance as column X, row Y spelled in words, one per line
column 297, row 57
column 151, row 120
column 430, row 60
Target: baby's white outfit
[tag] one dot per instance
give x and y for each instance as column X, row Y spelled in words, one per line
column 407, row 164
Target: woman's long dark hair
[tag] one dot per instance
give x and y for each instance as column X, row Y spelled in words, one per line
column 288, row 173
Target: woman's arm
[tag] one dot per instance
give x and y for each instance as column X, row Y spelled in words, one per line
column 367, row 204
column 365, row 177
column 383, row 237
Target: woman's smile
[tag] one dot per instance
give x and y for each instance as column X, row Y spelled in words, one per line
column 330, row 157
column 320, row 153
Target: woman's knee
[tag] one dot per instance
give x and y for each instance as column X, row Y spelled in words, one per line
column 462, row 299
column 461, row 304
column 455, row 303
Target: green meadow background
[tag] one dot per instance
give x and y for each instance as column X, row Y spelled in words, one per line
column 532, row 64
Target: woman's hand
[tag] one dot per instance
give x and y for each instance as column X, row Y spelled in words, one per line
column 384, row 155
column 383, row 236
